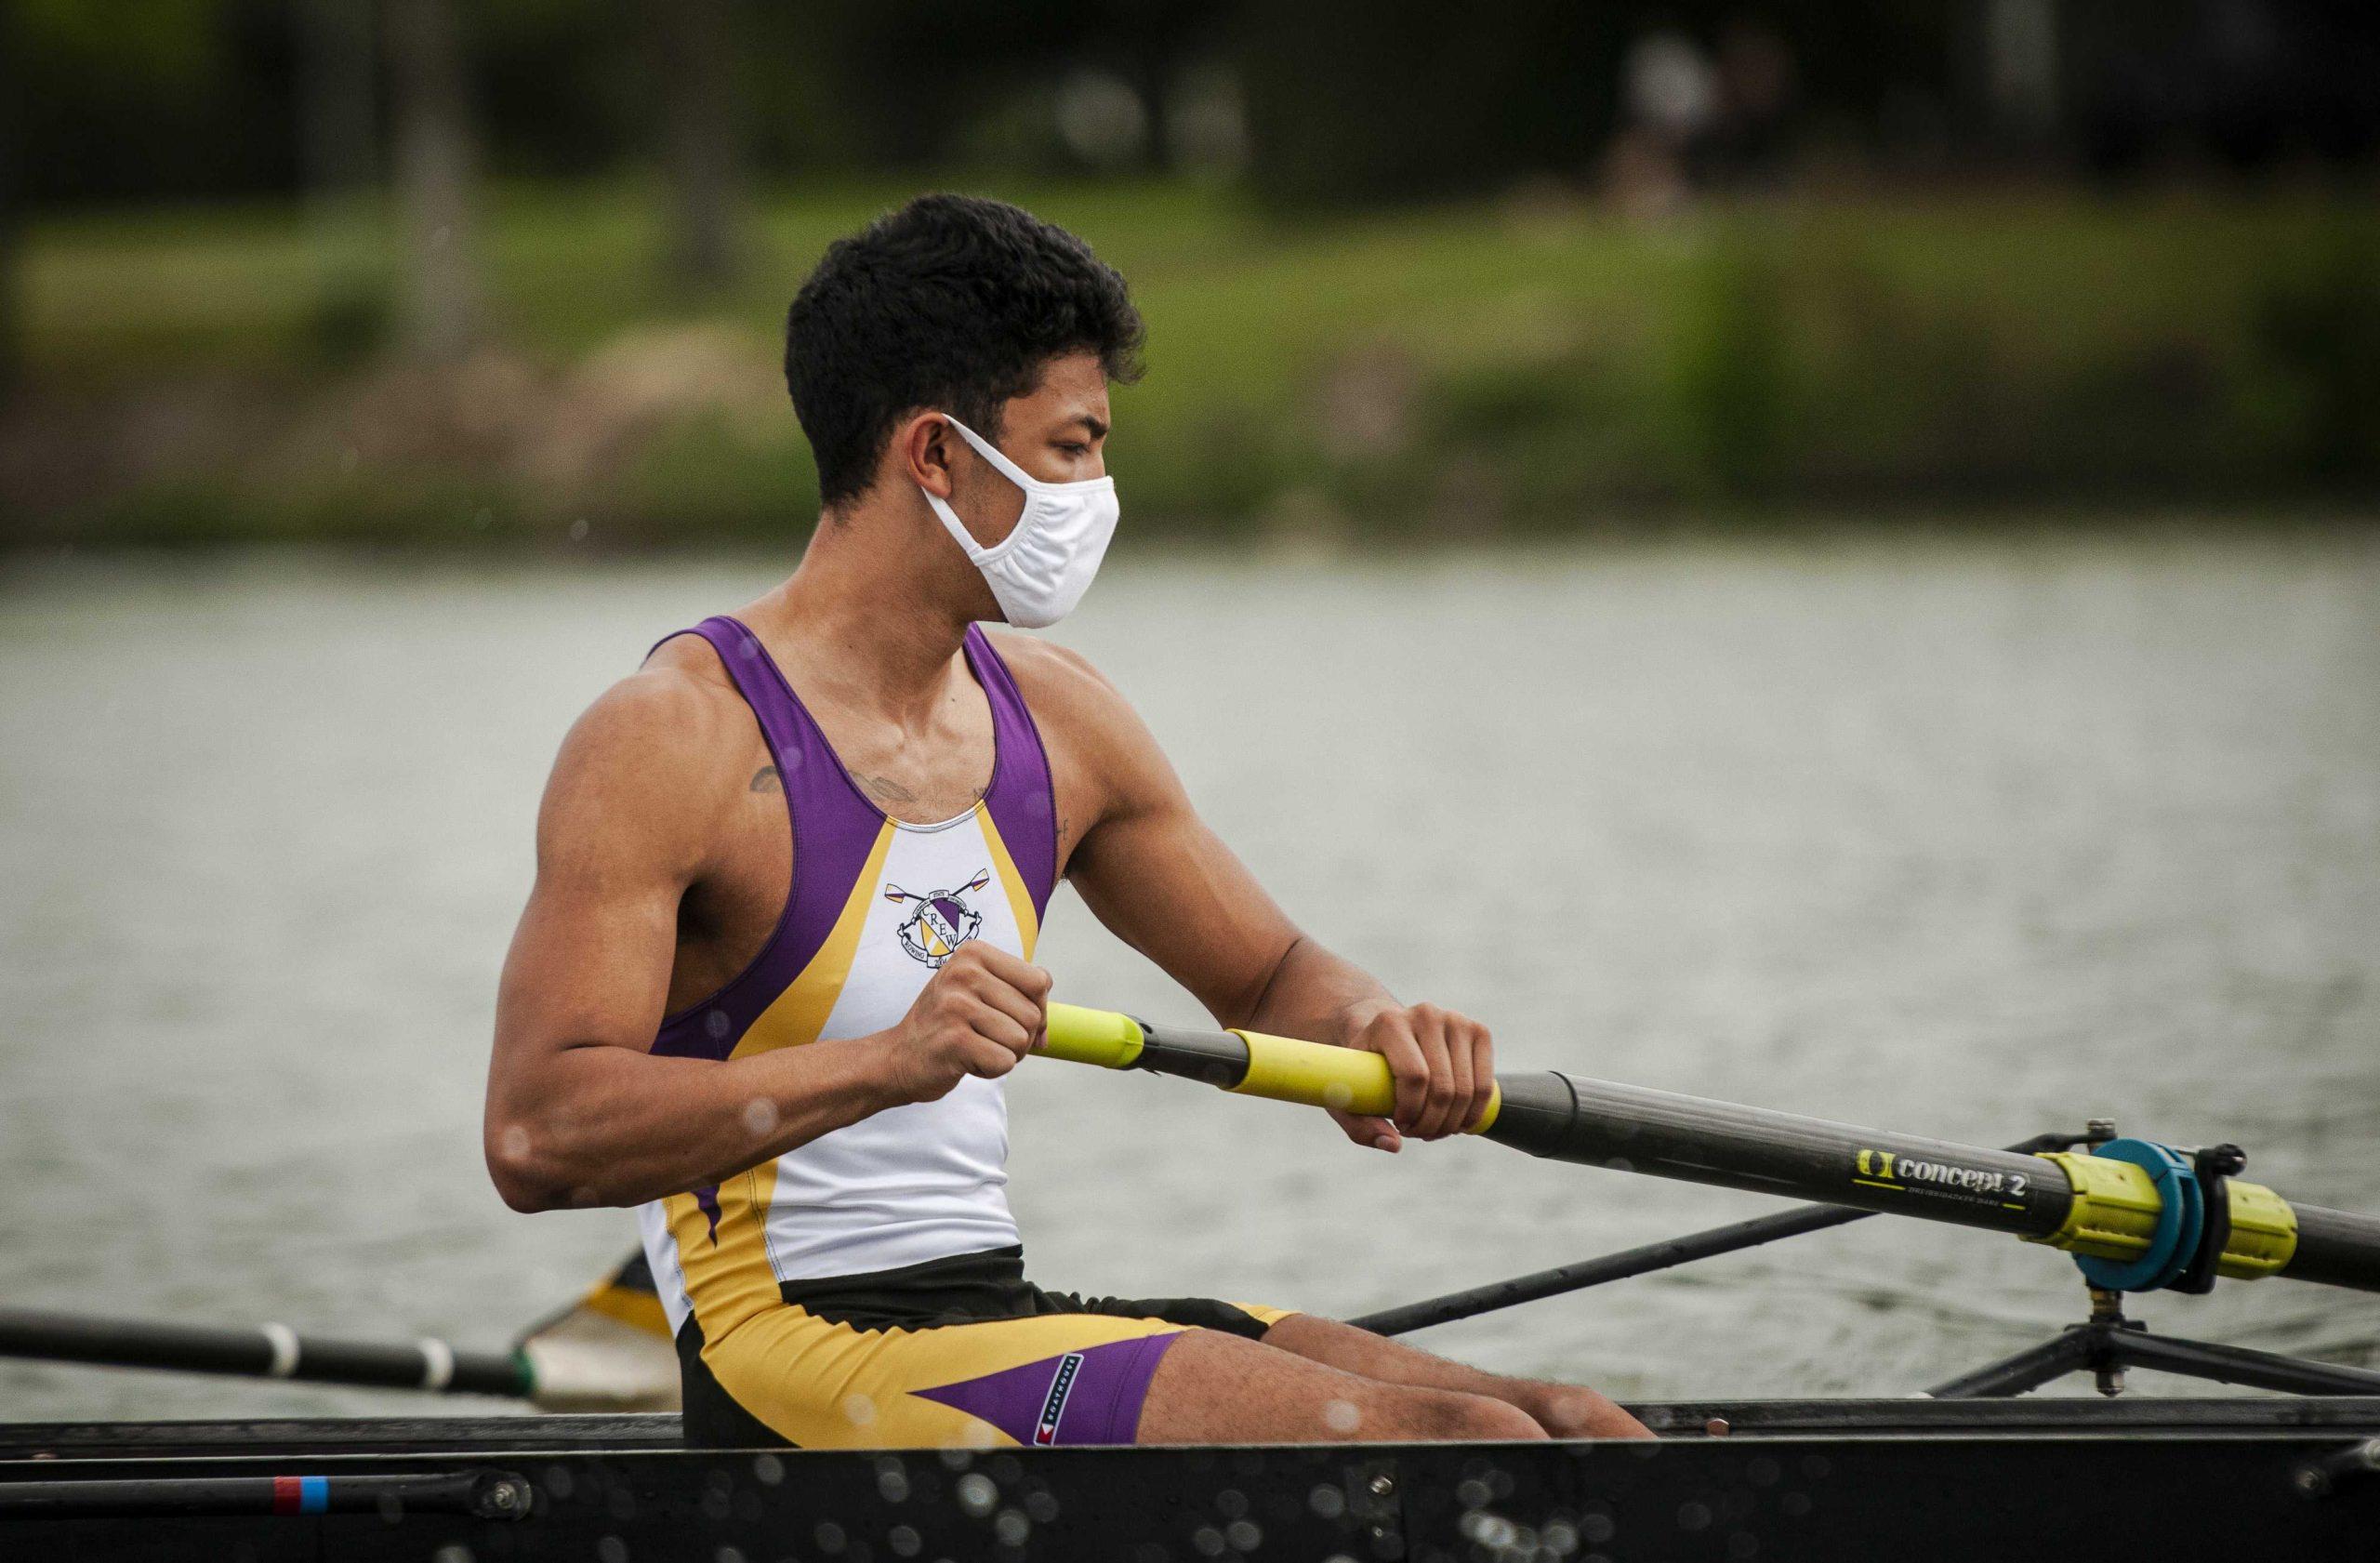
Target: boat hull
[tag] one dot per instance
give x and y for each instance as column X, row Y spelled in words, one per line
column 1818, row 1480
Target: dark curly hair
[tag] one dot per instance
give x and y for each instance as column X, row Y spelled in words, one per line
column 953, row 303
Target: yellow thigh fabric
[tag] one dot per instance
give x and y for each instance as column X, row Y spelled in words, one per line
column 1263, row 1315
column 1054, row 1378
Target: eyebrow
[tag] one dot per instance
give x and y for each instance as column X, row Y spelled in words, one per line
column 1098, row 429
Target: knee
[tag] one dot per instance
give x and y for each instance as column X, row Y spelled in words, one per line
column 1481, row 1418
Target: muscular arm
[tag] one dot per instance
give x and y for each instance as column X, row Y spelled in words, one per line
column 579, row 1112
column 1154, row 872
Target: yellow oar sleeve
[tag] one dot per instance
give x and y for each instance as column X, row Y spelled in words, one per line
column 1281, row 1069
column 1346, row 1079
column 1101, row 1036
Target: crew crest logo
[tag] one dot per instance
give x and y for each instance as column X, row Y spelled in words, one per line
column 941, row 922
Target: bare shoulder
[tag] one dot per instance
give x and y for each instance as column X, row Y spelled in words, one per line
column 1087, row 724
column 1058, row 682
column 657, row 754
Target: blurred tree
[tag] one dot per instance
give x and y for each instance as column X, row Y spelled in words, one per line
column 338, row 131
column 1352, row 100
column 436, row 165
column 143, row 97
column 700, row 154
column 11, row 141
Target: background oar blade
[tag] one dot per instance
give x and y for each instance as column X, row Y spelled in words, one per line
column 610, row 1351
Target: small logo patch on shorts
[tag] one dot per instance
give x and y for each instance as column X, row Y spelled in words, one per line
column 1054, row 1406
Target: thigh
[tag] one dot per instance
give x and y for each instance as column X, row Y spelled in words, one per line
column 1214, row 1387
column 1377, row 1357
column 1049, row 1379
column 1566, row 1411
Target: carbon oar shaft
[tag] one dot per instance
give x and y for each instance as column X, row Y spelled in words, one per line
column 2111, row 1214
column 271, row 1351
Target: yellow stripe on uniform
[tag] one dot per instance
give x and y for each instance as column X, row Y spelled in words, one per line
column 801, row 1012
column 1019, row 900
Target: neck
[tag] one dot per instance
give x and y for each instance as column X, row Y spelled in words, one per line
column 874, row 608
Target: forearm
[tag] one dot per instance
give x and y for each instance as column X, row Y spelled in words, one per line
column 615, row 1126
column 1315, row 995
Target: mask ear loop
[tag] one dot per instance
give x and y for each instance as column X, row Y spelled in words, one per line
column 991, row 453
column 977, row 554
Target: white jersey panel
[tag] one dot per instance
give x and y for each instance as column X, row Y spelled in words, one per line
column 928, row 1180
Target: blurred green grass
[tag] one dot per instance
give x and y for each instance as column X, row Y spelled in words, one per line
column 1534, row 364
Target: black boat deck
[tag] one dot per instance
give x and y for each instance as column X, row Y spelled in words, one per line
column 1744, row 1482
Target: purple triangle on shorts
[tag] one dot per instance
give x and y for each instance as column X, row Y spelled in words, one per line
column 1088, row 1396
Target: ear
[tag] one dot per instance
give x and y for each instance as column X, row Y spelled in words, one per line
column 924, row 448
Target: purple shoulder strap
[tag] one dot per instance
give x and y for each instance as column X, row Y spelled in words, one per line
column 1022, row 802
column 833, row 831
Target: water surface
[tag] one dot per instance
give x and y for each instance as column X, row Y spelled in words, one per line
column 1966, row 838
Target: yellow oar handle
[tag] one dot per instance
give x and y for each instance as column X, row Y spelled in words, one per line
column 1103, row 1038
column 1348, row 1080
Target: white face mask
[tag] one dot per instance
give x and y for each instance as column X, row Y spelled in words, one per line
column 1040, row 571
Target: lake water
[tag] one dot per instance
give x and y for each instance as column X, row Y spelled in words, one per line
column 1969, row 837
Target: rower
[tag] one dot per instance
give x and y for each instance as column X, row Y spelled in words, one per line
column 790, row 873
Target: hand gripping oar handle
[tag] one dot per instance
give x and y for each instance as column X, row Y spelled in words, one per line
column 2092, row 1206
column 1249, row 1062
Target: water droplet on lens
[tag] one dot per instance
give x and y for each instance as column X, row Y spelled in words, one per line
column 977, row 1494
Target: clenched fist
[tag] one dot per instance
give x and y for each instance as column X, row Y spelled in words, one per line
column 978, row 1016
